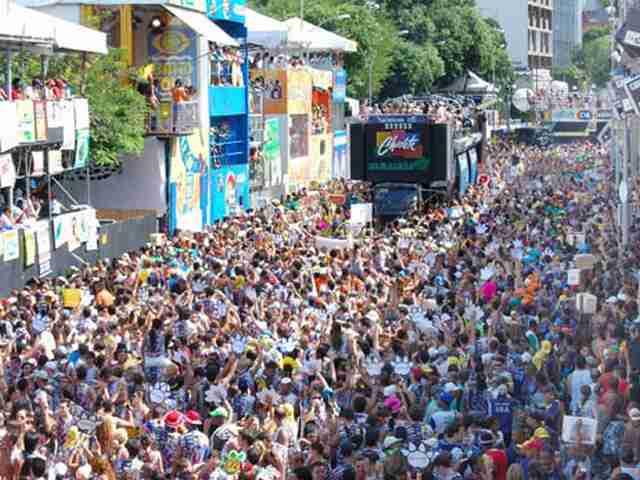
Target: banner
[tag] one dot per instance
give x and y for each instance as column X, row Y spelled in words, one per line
column 571, row 115
column 81, row 113
column 321, row 78
column 473, row 166
column 71, row 297
column 43, row 241
column 274, row 83
column 321, row 158
column 69, row 122
column 361, row 213
column 37, row 163
column 55, row 162
column 229, row 10
column 340, row 86
column 29, row 248
column 40, row 118
column 333, row 243
column 82, row 148
column 299, row 87
column 55, row 121
column 61, row 230
column 298, row 136
column 463, row 173
column 340, row 168
column 173, row 54
column 26, row 121
column 7, row 171
column 8, row 126
column 271, row 152
column 231, row 194
column 11, row 245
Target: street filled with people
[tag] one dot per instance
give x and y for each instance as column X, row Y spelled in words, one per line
column 457, row 343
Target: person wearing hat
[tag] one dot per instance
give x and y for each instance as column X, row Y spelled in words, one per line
column 193, row 445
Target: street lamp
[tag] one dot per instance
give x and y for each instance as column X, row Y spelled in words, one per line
column 401, row 33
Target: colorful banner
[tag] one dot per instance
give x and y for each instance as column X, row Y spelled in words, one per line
column 173, row 54
column 340, row 86
column 8, row 126
column 397, row 147
column 321, row 154
column 40, row 120
column 61, row 230
column 26, row 121
column 230, row 10
column 29, row 248
column 82, row 148
column 69, row 125
column 340, row 168
column 299, row 87
column 298, row 136
column 189, row 160
column 11, row 245
column 275, row 89
column 271, row 152
column 230, row 195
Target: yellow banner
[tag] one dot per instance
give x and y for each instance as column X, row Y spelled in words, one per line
column 299, row 86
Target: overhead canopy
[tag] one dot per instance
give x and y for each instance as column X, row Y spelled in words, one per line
column 312, row 37
column 264, row 31
column 470, row 83
column 199, row 23
column 25, row 25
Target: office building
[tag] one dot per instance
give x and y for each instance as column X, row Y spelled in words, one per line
column 567, row 31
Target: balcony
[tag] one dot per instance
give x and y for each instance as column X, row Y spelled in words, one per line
column 173, row 119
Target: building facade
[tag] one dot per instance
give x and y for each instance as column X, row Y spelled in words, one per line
column 567, row 31
column 528, row 29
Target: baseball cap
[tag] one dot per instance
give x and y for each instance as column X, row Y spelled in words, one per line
column 219, row 412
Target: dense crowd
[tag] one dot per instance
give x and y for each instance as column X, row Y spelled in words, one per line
column 448, row 346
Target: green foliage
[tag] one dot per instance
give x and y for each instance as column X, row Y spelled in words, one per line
column 412, row 45
column 116, row 110
column 596, row 60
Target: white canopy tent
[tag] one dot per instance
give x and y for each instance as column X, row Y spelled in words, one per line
column 470, row 83
column 199, row 23
column 27, row 26
column 264, row 31
column 313, row 38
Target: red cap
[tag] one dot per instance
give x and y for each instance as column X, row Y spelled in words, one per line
column 192, row 417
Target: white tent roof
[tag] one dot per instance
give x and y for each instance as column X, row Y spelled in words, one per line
column 315, row 38
column 31, row 26
column 200, row 24
column 264, row 31
column 470, row 83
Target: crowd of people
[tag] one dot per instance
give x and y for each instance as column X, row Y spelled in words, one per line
column 51, row 89
column 446, row 347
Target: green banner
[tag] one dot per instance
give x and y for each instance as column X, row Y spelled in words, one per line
column 82, row 148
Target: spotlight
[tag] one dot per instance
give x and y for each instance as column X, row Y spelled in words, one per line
column 156, row 23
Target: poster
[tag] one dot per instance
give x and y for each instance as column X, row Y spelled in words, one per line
column 579, row 428
column 55, row 121
column 230, row 195
column 573, row 277
column 586, row 303
column 61, row 230
column 298, row 136
column 8, row 126
column 473, row 166
column 55, row 162
column 40, row 119
column 82, row 148
column 299, row 87
column 340, row 86
column 340, row 168
column 271, row 151
column 26, row 121
column 321, row 158
column 230, row 10
column 463, row 173
column 322, row 79
column 173, row 54
column 71, row 297
column 37, row 163
column 92, row 237
column 81, row 113
column 43, row 239
column 69, row 122
column 274, row 84
column 11, row 245
column 333, row 243
column 75, row 227
column 29, row 248
column 188, row 164
column 7, row 171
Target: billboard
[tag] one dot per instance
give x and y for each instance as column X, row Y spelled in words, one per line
column 274, row 83
column 173, row 53
column 340, row 86
column 571, row 115
column 229, row 191
column 229, row 10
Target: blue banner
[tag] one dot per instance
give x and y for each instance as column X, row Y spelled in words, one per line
column 463, row 173
column 229, row 191
column 229, row 10
column 473, row 166
column 340, row 86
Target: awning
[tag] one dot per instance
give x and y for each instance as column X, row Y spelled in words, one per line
column 201, row 24
column 312, row 37
column 31, row 26
column 264, row 31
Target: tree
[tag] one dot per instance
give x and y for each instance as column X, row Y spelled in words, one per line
column 597, row 64
column 419, row 68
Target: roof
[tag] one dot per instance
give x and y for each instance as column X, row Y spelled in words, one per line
column 315, row 38
column 264, row 31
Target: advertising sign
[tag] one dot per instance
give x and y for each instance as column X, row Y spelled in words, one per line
column 275, row 89
column 271, row 152
column 463, row 174
column 340, row 86
column 40, row 119
column 26, row 121
column 173, row 53
column 571, row 115
column 340, row 167
column 230, row 10
column 633, row 89
column 473, row 165
column 299, row 87
column 82, row 148
column 397, row 147
column 298, row 136
column 230, row 191
column 622, row 103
